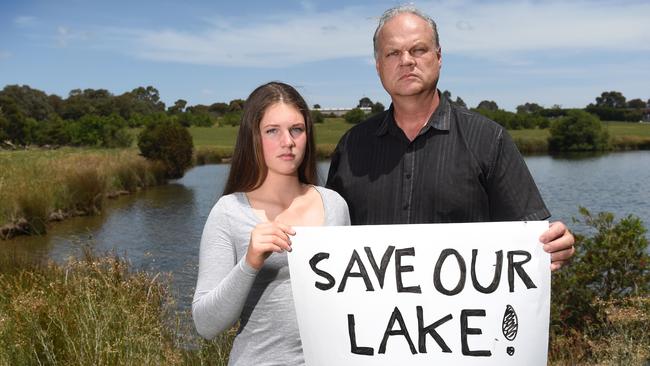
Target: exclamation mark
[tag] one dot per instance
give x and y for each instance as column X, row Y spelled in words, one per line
column 509, row 327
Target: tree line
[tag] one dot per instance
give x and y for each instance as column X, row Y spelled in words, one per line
column 96, row 117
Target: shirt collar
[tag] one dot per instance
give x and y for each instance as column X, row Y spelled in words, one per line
column 439, row 120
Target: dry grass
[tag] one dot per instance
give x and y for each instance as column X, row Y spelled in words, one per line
column 621, row 338
column 36, row 183
column 93, row 311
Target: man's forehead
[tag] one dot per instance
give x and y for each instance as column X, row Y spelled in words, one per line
column 407, row 28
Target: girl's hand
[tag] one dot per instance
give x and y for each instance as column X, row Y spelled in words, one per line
column 266, row 238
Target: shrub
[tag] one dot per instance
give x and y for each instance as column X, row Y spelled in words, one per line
column 317, row 116
column 578, row 131
column 354, row 116
column 611, row 265
column 231, row 118
column 170, row 143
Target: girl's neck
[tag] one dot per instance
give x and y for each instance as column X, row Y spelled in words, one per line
column 280, row 190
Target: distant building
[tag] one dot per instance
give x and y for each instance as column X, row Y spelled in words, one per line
column 339, row 112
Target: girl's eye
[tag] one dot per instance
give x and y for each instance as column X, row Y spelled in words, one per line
column 271, row 131
column 295, row 131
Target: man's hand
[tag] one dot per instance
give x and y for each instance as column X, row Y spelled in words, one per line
column 558, row 241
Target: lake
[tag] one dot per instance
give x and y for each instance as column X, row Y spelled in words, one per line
column 159, row 229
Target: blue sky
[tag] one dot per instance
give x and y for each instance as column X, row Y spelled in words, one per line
column 512, row 52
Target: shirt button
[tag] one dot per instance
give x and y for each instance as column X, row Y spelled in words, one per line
column 409, row 148
column 408, row 176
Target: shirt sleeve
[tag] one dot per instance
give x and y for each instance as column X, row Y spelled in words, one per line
column 223, row 283
column 511, row 189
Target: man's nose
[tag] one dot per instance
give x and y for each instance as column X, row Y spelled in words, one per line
column 406, row 59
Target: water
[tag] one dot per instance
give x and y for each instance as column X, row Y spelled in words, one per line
column 160, row 229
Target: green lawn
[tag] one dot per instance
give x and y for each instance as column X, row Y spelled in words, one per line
column 329, row 133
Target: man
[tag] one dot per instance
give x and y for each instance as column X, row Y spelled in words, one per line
column 426, row 160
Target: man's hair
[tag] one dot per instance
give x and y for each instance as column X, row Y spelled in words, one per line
column 402, row 9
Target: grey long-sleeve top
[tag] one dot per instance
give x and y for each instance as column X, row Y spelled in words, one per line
column 228, row 289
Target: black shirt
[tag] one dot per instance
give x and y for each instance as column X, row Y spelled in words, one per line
column 462, row 167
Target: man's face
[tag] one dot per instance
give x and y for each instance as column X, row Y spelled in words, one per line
column 408, row 62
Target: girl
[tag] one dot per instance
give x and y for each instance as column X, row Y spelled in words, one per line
column 243, row 271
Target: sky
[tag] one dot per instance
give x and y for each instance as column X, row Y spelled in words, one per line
column 549, row 52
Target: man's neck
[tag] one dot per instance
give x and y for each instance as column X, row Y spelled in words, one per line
column 413, row 112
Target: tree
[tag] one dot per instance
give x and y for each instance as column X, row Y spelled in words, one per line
column 447, row 94
column 219, row 109
column 178, row 107
column 364, row 102
column 32, row 103
column 236, row 105
column 612, row 99
column 488, row 104
column 170, row 143
column 578, row 131
column 354, row 116
column 316, row 106
column 529, row 108
column 14, row 120
column 636, row 104
column 460, row 102
column 377, row 108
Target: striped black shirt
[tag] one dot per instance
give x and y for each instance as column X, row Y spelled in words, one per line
column 462, row 167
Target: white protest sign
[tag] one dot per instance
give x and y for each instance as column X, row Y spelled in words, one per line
column 461, row 294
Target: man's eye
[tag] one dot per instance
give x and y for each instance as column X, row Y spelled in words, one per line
column 393, row 53
column 419, row 51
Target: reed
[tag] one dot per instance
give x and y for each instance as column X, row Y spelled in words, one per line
column 212, row 155
column 35, row 184
column 94, row 310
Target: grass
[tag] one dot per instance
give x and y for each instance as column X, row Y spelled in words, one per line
column 39, row 185
column 94, row 311
column 624, row 136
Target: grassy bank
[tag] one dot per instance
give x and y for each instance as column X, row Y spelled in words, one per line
column 98, row 311
column 38, row 186
column 216, row 143
column 94, row 311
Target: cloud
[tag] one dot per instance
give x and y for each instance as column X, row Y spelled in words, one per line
column 64, row 35
column 25, row 21
column 521, row 26
column 501, row 31
column 4, row 55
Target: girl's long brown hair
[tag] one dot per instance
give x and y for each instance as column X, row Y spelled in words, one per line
column 248, row 169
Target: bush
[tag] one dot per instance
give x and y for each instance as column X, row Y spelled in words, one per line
column 317, row 116
column 578, row 131
column 170, row 143
column 354, row 116
column 611, row 265
column 231, row 118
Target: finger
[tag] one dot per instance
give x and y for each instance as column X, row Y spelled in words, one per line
column 556, row 229
column 557, row 265
column 285, row 228
column 562, row 255
column 277, row 241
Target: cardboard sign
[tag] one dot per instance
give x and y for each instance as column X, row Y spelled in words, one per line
column 461, row 294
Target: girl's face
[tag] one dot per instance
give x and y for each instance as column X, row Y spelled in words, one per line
column 284, row 139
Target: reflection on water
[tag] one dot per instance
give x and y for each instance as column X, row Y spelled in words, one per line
column 159, row 229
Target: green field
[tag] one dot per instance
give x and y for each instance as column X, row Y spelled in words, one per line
column 332, row 129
